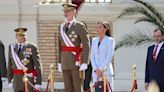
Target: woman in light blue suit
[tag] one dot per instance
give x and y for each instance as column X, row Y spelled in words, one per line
column 102, row 51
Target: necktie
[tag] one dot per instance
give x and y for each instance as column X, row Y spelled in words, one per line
column 19, row 49
column 67, row 26
column 154, row 54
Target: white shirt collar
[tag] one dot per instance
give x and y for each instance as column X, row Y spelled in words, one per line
column 158, row 48
column 71, row 22
column 22, row 44
column 160, row 44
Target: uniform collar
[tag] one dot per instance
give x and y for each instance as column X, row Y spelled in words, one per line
column 22, row 44
column 71, row 22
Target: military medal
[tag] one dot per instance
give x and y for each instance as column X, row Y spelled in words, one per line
column 28, row 51
column 73, row 32
column 73, row 39
column 70, row 35
column 25, row 61
column 26, row 54
column 75, row 36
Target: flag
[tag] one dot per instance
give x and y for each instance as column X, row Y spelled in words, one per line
column 78, row 3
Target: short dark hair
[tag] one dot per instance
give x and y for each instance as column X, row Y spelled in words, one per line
column 158, row 29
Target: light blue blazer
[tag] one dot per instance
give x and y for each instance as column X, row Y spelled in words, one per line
column 102, row 56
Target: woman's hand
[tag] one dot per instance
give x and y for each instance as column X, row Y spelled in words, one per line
column 98, row 73
column 146, row 86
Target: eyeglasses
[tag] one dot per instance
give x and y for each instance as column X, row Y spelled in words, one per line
column 157, row 36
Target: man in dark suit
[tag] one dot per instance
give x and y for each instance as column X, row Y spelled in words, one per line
column 2, row 64
column 155, row 61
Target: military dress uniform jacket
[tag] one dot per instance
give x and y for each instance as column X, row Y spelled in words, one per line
column 33, row 64
column 78, row 35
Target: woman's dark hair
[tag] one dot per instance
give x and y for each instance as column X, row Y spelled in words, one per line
column 107, row 26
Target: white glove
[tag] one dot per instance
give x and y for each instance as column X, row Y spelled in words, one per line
column 30, row 74
column 60, row 67
column 3, row 78
column 83, row 67
column 10, row 85
column 38, row 87
column 77, row 63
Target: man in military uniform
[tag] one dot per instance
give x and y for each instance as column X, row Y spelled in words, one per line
column 2, row 65
column 72, row 34
column 23, row 56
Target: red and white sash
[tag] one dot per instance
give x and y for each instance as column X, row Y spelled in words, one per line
column 67, row 41
column 18, row 62
column 16, row 59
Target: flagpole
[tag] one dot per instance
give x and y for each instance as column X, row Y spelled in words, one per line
column 134, row 84
column 25, row 79
column 105, row 79
column 52, row 78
